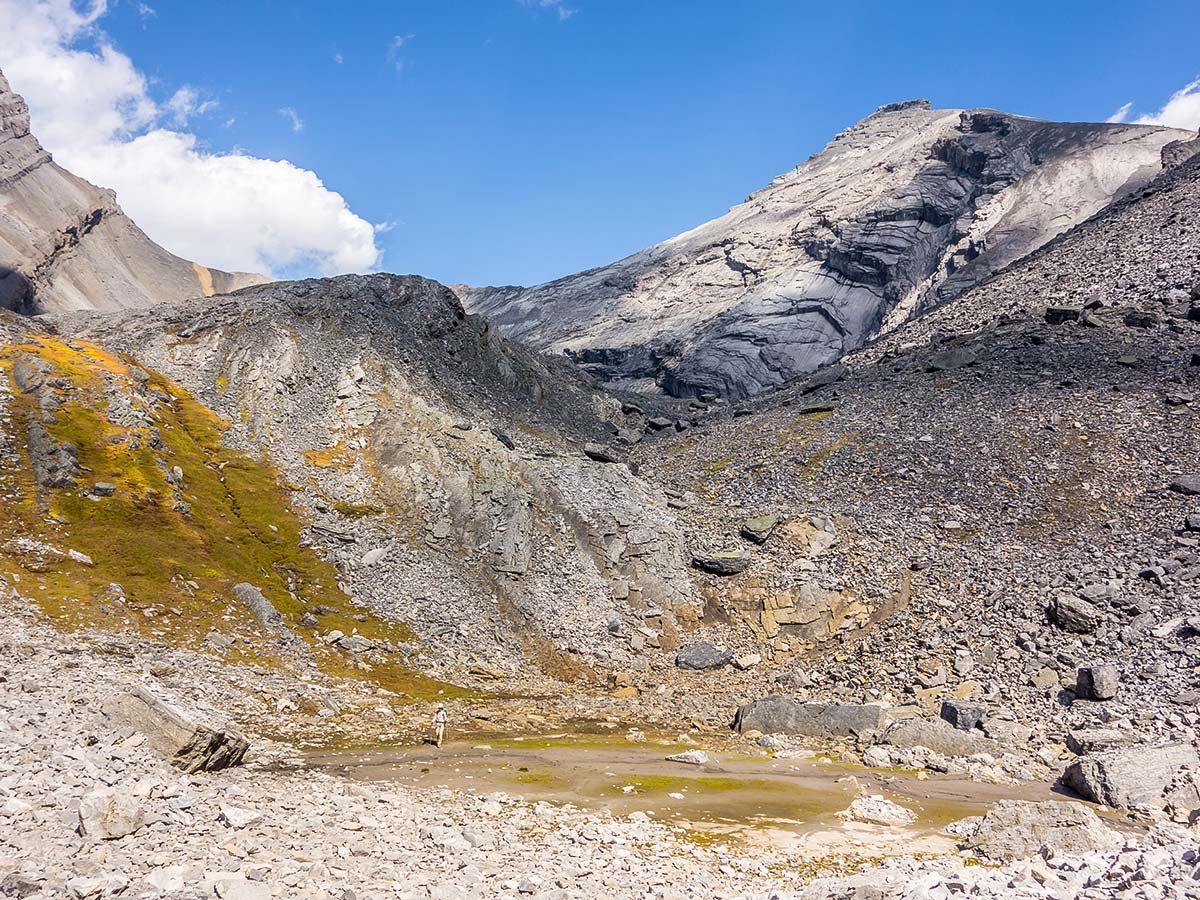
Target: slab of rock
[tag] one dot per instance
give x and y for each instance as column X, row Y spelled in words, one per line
column 722, row 563
column 1018, row 829
column 109, row 814
column 254, row 600
column 691, row 758
column 702, row 655
column 1129, row 777
column 1186, row 484
column 184, row 737
column 1060, row 315
column 1097, row 682
column 1074, row 614
column 877, row 810
column 938, row 736
column 951, row 358
column 1182, row 797
column 779, row 714
column 1090, row 740
column 600, row 453
column 760, row 528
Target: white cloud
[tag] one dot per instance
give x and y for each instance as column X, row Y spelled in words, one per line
column 558, row 6
column 1120, row 115
column 146, row 11
column 293, row 119
column 1181, row 111
column 186, row 103
column 338, row 58
column 92, row 109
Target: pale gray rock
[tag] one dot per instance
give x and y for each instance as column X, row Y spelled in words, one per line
column 938, row 736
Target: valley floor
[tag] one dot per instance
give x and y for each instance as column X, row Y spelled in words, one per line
column 275, row 829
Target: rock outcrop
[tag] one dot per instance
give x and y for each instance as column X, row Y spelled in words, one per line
column 65, row 243
column 898, row 214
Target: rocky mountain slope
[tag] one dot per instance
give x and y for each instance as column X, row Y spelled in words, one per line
column 900, row 213
column 66, row 244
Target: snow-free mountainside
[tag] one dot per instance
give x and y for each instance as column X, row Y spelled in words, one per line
column 852, row 550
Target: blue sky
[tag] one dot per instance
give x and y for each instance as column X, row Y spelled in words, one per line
column 512, row 142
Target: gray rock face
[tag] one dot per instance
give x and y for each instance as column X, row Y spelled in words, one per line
column 179, row 735
column 901, row 212
column 784, row 715
column 1016, row 829
column 108, row 814
column 65, row 244
column 962, row 715
column 702, row 655
column 1129, row 777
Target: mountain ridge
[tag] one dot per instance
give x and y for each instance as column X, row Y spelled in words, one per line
column 66, row 244
column 900, row 212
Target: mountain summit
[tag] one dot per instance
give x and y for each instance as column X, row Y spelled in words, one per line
column 65, row 244
column 898, row 214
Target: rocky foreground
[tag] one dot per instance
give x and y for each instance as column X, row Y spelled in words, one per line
column 89, row 808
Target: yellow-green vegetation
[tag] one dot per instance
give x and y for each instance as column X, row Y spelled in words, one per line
column 175, row 564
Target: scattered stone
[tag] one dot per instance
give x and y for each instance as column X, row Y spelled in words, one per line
column 691, row 758
column 1186, row 484
column 1073, row 614
column 103, row 489
column 254, row 600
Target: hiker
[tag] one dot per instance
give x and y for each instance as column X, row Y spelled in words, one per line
column 440, row 718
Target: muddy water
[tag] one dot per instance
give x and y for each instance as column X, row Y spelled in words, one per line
column 787, row 803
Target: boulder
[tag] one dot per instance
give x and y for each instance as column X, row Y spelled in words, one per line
column 600, row 453
column 182, row 736
column 723, row 563
column 1018, row 829
column 103, row 489
column 109, row 814
column 759, row 528
column 963, row 715
column 702, row 655
column 938, row 736
column 779, row 714
column 951, row 358
column 1186, row 484
column 1098, row 682
column 1129, row 777
column 254, row 600
column 1074, row 614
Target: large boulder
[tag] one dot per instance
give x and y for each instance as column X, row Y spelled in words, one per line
column 702, row 655
column 1016, row 829
column 779, row 714
column 261, row 608
column 1129, row 777
column 723, row 562
column 184, row 737
column 1097, row 682
column 938, row 736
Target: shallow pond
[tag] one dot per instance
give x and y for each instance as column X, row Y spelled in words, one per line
column 787, row 803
